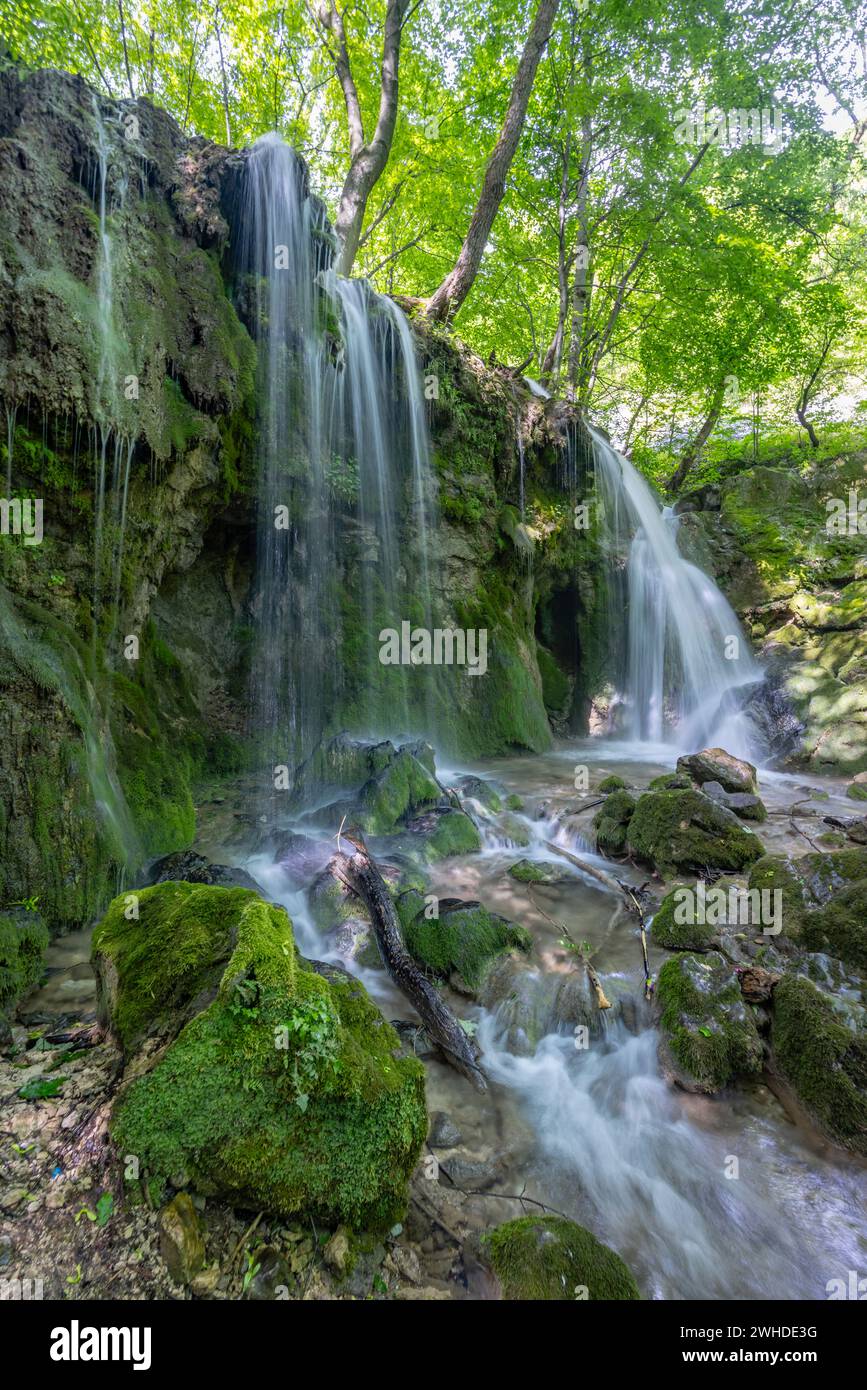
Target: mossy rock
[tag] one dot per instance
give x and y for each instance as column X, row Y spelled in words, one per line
column 612, row 822
column 857, row 791
column 611, row 784
column 677, row 831
column 671, row 782
column 709, row 1031
column 556, row 685
column 549, row 1258
column 480, row 790
column 514, row 802
column 511, row 829
column 538, row 871
column 279, row 1087
column 23, row 943
column 452, row 833
column 464, row 940
column 823, row 1061
column 675, row 935
column 808, row 880
column 840, row 927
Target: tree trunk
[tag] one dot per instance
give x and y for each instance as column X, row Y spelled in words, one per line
column 804, row 398
column 581, row 282
column 367, row 159
column 360, row 873
column 692, row 451
column 125, row 49
column 447, row 299
column 225, row 80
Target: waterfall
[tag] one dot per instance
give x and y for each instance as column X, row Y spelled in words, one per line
column 684, row 662
column 345, row 471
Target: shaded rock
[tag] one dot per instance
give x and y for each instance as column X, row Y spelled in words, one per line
column 444, row 1133
column 337, row 1252
column 188, row 867
column 716, row 765
column 271, row 1278
column 823, row 1060
column 182, row 1241
column 744, row 804
column 611, row 823
column 757, row 984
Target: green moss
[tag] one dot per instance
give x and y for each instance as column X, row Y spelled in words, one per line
column 679, row 936
column 684, row 830
column 857, row 791
column 822, row 1059
column 454, row 833
column 530, row 871
column 840, row 927
column 403, row 788
column 612, row 823
column 611, row 784
column 671, row 782
column 463, row 940
column 548, row 1257
column 283, row 1091
column 708, row 1027
column 23, row 942
column 556, row 686
column 514, row 802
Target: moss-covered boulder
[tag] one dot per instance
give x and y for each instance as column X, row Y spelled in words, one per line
column 462, row 943
column 375, row 786
column 677, row 831
column 611, row 784
column 445, row 833
column 716, row 765
column 840, row 927
column 271, row 1083
column 675, row 926
column 612, row 822
column 857, row 791
column 548, row 1257
column 709, row 1032
column 811, row 881
column 823, row 1061
column 23, row 942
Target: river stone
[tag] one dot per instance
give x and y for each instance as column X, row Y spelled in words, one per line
column 272, row 1277
column 444, row 1133
column 539, row 871
column 182, row 1241
column 716, row 765
column 744, row 804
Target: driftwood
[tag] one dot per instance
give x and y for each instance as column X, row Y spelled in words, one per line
column 359, row 872
column 631, row 895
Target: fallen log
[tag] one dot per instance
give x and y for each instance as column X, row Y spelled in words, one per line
column 359, row 872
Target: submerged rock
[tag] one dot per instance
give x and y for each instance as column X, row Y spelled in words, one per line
column 688, row 831
column 275, row 1086
column 716, row 765
column 550, row 1258
column 709, row 1032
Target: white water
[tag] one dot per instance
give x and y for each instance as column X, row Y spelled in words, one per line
column 685, row 661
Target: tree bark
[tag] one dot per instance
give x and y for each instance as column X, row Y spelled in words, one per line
column 692, row 451
column 359, row 872
column 447, row 299
column 367, row 159
column 804, row 398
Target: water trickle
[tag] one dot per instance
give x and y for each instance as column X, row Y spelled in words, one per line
column 344, row 467
column 684, row 661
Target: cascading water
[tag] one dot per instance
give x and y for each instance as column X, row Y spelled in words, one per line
column 685, row 662
column 344, row 465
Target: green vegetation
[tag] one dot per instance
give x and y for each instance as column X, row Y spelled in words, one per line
column 548, row 1257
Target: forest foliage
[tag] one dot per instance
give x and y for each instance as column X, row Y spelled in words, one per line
column 677, row 237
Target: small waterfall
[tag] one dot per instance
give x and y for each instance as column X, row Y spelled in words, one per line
column 684, row 661
column 344, row 467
